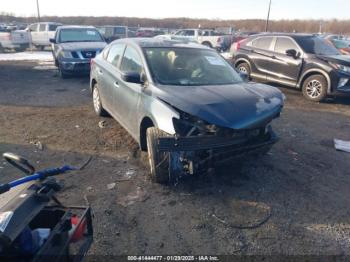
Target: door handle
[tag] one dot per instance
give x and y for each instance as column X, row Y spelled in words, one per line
column 99, row 71
column 116, row 84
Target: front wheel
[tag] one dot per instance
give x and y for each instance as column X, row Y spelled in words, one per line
column 62, row 73
column 158, row 161
column 315, row 88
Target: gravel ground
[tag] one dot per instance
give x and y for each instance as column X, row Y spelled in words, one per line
column 293, row 201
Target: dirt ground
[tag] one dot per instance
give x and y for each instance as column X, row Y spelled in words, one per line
column 294, row 201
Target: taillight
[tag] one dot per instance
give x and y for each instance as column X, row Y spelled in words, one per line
column 7, row 36
column 92, row 63
column 238, row 44
column 219, row 39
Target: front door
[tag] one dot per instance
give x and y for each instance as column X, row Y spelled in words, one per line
column 285, row 68
column 129, row 94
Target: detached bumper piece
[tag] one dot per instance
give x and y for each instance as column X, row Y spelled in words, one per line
column 189, row 155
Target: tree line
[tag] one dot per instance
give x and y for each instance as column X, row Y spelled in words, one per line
column 307, row 26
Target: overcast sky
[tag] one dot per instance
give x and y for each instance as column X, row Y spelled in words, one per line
column 223, row 9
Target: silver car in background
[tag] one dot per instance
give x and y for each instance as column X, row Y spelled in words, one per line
column 73, row 48
column 183, row 103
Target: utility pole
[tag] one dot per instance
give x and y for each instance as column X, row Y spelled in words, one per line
column 38, row 10
column 268, row 18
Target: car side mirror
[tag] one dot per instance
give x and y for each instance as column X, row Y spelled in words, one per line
column 52, row 41
column 132, row 77
column 292, row 53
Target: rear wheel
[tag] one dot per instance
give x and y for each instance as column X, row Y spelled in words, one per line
column 244, row 68
column 207, row 44
column 315, row 88
column 96, row 99
column 159, row 161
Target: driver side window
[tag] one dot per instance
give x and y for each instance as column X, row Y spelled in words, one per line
column 115, row 53
column 131, row 61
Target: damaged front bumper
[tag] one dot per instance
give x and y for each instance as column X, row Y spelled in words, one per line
column 189, row 155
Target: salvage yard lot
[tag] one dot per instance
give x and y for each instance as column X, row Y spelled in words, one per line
column 293, row 201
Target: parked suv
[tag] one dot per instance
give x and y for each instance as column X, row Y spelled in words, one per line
column 111, row 33
column 74, row 46
column 307, row 62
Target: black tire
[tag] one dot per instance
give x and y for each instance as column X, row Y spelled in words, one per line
column 207, row 44
column 315, row 88
column 20, row 49
column 42, row 48
column 96, row 101
column 158, row 161
column 245, row 68
column 62, row 73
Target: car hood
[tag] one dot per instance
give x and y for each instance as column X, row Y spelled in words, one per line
column 82, row 46
column 339, row 59
column 237, row 106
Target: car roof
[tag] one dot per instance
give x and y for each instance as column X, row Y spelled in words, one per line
column 100, row 26
column 292, row 35
column 76, row 26
column 161, row 42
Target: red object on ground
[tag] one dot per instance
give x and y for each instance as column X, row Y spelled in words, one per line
column 78, row 231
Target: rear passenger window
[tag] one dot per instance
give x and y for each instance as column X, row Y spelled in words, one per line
column 131, row 61
column 53, row 27
column 42, row 27
column 115, row 53
column 283, row 44
column 262, row 43
column 189, row 33
column 33, row 27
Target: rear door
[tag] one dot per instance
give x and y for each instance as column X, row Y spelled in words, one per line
column 108, row 78
column 285, row 68
column 261, row 55
column 34, row 33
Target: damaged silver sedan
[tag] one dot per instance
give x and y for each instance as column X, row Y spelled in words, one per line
column 183, row 103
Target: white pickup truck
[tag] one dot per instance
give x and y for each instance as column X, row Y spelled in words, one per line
column 41, row 33
column 205, row 37
column 17, row 39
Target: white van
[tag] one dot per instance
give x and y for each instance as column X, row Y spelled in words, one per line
column 41, row 33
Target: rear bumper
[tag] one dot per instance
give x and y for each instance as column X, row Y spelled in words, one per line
column 11, row 45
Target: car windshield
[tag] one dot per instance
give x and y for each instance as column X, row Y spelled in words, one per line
column 316, row 45
column 189, row 66
column 80, row 35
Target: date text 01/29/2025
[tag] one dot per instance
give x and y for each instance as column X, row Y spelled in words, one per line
column 172, row 258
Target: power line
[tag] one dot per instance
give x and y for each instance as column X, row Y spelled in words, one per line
column 38, row 10
column 268, row 18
